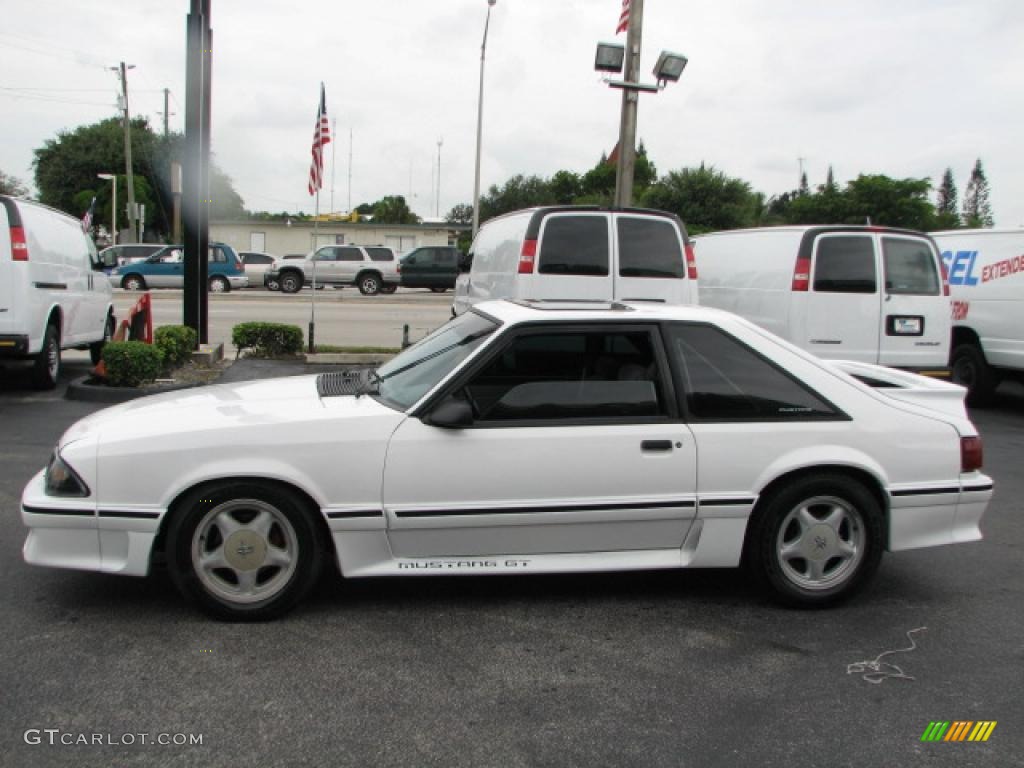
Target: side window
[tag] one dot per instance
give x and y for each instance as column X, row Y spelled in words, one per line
column 724, row 380
column 574, row 245
column 445, row 256
column 172, row 256
column 326, row 254
column 909, row 267
column 348, row 254
column 649, row 248
column 845, row 264
column 216, row 255
column 567, row 375
column 381, row 254
column 258, row 258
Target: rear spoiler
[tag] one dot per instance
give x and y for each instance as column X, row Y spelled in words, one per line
column 913, row 388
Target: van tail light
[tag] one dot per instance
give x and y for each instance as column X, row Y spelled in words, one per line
column 802, row 275
column 19, row 246
column 398, row 267
column 945, row 277
column 970, row 454
column 527, row 257
column 691, row 262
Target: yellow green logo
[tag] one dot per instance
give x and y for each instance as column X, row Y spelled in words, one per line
column 958, row 730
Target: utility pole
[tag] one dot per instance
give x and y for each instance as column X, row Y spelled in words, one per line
column 132, row 212
column 630, row 102
column 167, row 112
column 350, row 170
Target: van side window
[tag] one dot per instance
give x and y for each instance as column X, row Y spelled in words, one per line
column 574, row 245
column 724, row 380
column 649, row 248
column 845, row 264
column 909, row 267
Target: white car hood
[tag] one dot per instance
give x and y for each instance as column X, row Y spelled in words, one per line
column 222, row 406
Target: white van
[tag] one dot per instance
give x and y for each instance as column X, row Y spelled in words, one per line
column 986, row 283
column 53, row 292
column 579, row 253
column 870, row 294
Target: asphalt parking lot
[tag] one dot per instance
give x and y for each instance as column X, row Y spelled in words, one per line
column 642, row 669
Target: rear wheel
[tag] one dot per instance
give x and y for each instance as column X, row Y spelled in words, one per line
column 291, row 282
column 243, row 551
column 46, row 369
column 96, row 350
column 816, row 541
column 369, row 284
column 133, row 283
column 438, row 290
column 971, row 370
column 219, row 285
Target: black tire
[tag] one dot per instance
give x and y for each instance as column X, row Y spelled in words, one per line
column 971, row 370
column 388, row 288
column 273, row 285
column 369, row 283
column 197, row 528
column 291, row 282
column 46, row 368
column 828, row 561
column 133, row 283
column 96, row 350
column 438, row 290
column 219, row 284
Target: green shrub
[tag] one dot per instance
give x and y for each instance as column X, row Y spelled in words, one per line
column 130, row 363
column 267, row 339
column 175, row 343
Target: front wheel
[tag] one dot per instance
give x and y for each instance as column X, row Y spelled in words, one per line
column 291, row 283
column 219, row 285
column 133, row 283
column 243, row 551
column 369, row 285
column 46, row 369
column 816, row 541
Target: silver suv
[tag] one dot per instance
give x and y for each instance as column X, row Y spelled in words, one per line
column 371, row 268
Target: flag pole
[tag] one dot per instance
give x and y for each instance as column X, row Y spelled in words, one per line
column 312, row 292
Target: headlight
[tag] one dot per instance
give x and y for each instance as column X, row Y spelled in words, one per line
column 61, row 480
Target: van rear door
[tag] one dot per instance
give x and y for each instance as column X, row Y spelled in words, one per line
column 842, row 308
column 573, row 259
column 7, row 294
column 649, row 260
column 916, row 326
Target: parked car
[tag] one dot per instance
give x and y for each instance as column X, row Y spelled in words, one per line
column 53, row 292
column 523, row 437
column 579, row 253
column 986, row 283
column 432, row 266
column 256, row 264
column 166, row 269
column 371, row 268
column 119, row 255
column 874, row 294
column 272, row 283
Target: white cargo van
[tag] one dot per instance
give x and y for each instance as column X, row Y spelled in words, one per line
column 870, row 294
column 986, row 283
column 53, row 292
column 579, row 253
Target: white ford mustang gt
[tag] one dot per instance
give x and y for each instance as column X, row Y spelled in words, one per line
column 522, row 438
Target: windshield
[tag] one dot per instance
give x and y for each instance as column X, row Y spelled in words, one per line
column 418, row 369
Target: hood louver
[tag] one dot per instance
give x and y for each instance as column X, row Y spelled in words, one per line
column 337, row 384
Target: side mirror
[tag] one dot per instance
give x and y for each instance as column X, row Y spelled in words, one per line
column 451, row 414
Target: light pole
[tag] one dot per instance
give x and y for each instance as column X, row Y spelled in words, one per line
column 437, row 200
column 610, row 59
column 112, row 178
column 480, row 122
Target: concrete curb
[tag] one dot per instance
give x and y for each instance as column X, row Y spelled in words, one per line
column 80, row 389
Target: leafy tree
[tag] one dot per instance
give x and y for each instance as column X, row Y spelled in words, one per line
column 566, row 186
column 11, row 185
column 705, row 199
column 830, row 182
column 890, row 202
column 804, row 188
column 644, row 171
column 460, row 214
column 393, row 210
column 977, row 209
column 946, row 215
column 517, row 193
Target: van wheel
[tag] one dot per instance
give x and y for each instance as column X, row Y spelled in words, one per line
column 46, row 369
column 816, row 541
column 133, row 283
column 219, row 285
column 369, row 284
column 96, row 350
column 971, row 370
column 291, row 283
column 243, row 550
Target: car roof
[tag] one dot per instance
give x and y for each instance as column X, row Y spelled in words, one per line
column 593, row 311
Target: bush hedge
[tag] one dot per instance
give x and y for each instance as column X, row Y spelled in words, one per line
column 267, row 339
column 175, row 343
column 129, row 363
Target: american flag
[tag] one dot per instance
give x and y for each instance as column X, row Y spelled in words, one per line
column 623, row 18
column 87, row 219
column 321, row 136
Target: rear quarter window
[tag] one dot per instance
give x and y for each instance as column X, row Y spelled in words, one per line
column 381, row 254
column 649, row 248
column 574, row 245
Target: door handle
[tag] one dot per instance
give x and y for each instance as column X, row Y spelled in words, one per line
column 656, row 445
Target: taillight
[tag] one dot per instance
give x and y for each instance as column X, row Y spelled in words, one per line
column 527, row 257
column 945, row 277
column 19, row 246
column 802, row 274
column 691, row 262
column 398, row 267
column 970, row 454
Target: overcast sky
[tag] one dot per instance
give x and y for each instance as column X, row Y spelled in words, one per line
column 902, row 88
